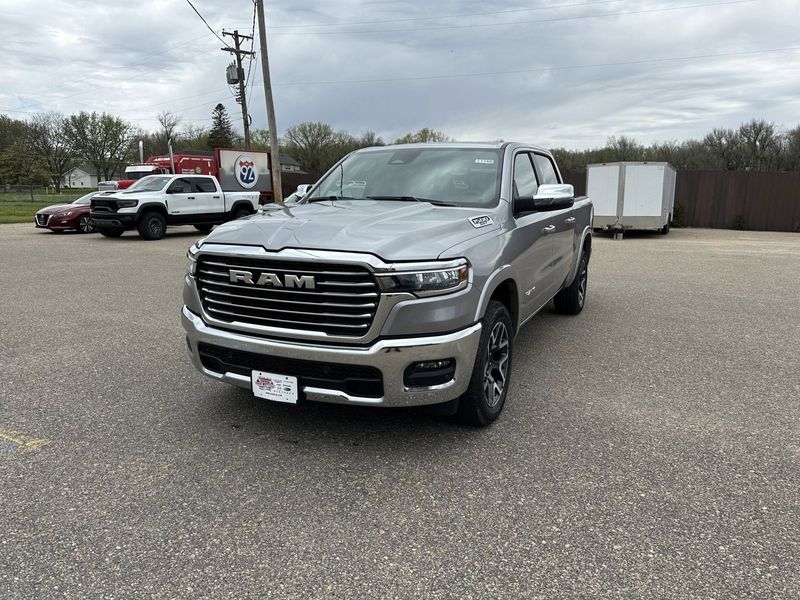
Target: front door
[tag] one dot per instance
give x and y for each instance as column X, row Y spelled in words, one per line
column 181, row 200
column 530, row 242
column 564, row 238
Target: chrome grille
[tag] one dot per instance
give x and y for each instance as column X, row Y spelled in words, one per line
column 342, row 303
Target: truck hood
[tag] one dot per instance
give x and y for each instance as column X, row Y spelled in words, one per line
column 388, row 229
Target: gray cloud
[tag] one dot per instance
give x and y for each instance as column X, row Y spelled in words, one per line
column 138, row 59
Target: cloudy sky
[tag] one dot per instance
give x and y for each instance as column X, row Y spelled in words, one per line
column 563, row 73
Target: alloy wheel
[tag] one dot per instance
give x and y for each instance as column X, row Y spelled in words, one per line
column 583, row 277
column 496, row 366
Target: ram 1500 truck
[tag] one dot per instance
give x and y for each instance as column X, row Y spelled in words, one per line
column 156, row 201
column 401, row 279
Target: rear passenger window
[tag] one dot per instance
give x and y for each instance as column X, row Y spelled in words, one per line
column 524, row 177
column 545, row 169
column 204, row 184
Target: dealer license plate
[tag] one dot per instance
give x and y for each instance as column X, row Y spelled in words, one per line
column 278, row 388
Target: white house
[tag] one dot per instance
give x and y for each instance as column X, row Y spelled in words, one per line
column 80, row 177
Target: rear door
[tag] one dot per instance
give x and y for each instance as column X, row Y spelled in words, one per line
column 208, row 198
column 181, row 200
column 530, row 241
column 563, row 239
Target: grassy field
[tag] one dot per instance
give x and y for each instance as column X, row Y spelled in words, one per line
column 16, row 207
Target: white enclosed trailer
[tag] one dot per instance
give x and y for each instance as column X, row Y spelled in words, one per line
column 631, row 195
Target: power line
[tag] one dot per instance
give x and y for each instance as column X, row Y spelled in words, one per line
column 434, row 18
column 508, row 24
column 204, row 21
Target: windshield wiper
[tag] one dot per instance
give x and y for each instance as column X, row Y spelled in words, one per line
column 321, row 198
column 411, row 199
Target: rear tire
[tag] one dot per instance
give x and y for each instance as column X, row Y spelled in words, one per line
column 111, row 233
column 486, row 395
column 664, row 230
column 152, row 225
column 570, row 300
column 239, row 213
column 204, row 228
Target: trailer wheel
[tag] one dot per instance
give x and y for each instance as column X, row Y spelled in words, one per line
column 486, row 395
column 152, row 225
column 571, row 299
column 664, row 230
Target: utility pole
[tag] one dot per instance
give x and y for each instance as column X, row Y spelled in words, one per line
column 275, row 157
column 238, row 52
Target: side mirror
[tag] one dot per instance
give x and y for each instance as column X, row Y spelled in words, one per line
column 302, row 189
column 554, row 196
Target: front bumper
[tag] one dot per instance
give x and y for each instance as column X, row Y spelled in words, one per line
column 105, row 220
column 390, row 357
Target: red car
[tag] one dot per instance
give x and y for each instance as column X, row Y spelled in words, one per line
column 61, row 217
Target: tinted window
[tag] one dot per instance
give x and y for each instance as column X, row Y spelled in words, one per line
column 180, row 186
column 545, row 168
column 204, row 184
column 524, row 177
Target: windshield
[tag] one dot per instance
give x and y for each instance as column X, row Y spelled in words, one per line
column 151, row 183
column 458, row 176
column 87, row 199
column 137, row 174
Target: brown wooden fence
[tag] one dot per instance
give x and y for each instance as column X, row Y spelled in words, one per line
column 721, row 199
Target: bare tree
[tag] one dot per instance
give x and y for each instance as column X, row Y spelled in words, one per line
column 423, row 135
column 761, row 144
column 726, row 145
column 169, row 124
column 47, row 138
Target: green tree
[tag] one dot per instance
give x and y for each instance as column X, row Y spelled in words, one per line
column 316, row 145
column 259, row 139
column 18, row 164
column 103, row 140
column 221, row 134
column 423, row 135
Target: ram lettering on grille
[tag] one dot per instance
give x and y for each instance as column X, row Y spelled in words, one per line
column 271, row 279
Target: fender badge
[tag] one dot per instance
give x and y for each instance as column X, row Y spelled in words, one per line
column 481, row 221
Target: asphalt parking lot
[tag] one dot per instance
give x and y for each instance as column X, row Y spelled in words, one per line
column 649, row 447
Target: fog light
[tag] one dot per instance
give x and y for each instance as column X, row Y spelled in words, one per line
column 429, row 372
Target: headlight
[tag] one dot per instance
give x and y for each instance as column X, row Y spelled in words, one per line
column 127, row 203
column 428, row 282
column 66, row 213
column 191, row 261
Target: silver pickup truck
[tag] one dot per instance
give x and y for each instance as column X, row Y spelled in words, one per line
column 401, row 279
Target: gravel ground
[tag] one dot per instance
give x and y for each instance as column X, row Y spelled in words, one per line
column 649, row 447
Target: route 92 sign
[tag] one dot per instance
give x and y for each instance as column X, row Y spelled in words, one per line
column 246, row 171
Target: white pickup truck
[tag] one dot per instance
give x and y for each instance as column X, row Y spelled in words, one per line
column 156, row 201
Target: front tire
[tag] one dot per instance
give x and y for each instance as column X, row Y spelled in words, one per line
column 86, row 224
column 152, row 225
column 570, row 300
column 111, row 233
column 486, row 395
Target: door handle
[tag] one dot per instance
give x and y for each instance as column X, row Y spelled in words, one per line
column 190, row 198
column 549, row 229
column 570, row 220
column 216, row 197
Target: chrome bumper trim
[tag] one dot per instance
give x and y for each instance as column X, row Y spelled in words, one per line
column 391, row 357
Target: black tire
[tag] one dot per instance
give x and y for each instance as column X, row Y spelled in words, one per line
column 240, row 212
column 85, row 224
column 152, row 225
column 485, row 397
column 664, row 230
column 204, row 228
column 111, row 233
column 571, row 299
